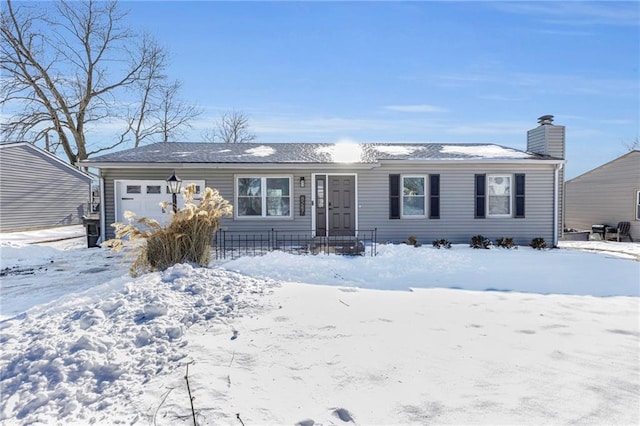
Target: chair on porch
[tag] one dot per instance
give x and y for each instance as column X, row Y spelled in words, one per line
column 621, row 231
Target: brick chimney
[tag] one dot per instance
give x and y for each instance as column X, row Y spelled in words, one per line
column 547, row 139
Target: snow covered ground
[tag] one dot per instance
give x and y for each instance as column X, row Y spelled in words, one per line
column 411, row 336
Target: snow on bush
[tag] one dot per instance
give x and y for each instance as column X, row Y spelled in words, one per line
column 71, row 362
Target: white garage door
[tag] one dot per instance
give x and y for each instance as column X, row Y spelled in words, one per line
column 143, row 197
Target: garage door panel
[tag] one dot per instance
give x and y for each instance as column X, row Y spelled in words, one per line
column 143, row 197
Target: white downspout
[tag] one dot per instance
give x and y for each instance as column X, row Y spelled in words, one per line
column 556, row 202
column 102, row 208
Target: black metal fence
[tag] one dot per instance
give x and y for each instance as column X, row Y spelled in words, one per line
column 233, row 244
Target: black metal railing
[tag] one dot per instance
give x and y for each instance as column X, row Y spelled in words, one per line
column 233, row 244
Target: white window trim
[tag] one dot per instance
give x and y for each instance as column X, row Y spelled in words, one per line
column 637, row 204
column 263, row 180
column 511, row 196
column 424, row 195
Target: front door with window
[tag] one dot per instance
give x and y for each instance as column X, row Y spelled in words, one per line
column 335, row 205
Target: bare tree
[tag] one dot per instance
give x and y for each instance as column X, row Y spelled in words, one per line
column 209, row 135
column 69, row 65
column 160, row 115
column 232, row 127
column 634, row 145
column 146, row 105
column 174, row 114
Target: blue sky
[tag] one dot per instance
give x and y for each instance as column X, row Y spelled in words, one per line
column 410, row 71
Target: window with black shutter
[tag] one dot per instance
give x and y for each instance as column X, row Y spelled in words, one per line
column 394, row 196
column 480, row 196
column 519, row 210
column 434, row 196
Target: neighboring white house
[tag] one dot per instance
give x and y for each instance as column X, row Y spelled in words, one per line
column 606, row 195
column 39, row 190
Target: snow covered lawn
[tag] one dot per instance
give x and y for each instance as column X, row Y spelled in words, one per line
column 402, row 338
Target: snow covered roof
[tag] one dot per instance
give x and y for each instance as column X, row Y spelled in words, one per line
column 309, row 153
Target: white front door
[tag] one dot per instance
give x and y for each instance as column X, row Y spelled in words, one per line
column 143, row 197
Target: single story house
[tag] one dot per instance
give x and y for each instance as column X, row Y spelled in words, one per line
column 426, row 190
column 39, row 190
column 606, row 195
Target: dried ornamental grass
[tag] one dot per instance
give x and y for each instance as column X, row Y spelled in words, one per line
column 187, row 238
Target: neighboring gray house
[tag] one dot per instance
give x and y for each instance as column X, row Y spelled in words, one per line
column 39, row 190
column 606, row 195
column 430, row 190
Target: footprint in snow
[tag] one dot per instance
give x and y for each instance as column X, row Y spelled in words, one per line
column 305, row 422
column 343, row 414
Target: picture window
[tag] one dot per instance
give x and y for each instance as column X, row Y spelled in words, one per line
column 263, row 196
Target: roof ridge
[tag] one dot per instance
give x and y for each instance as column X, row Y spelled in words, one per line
column 311, row 152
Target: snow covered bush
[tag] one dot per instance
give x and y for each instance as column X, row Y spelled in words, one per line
column 538, row 243
column 478, row 242
column 187, row 237
column 413, row 241
column 506, row 242
column 441, row 243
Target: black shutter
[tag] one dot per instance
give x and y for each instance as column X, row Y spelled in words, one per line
column 519, row 195
column 434, row 196
column 394, row 196
column 480, row 196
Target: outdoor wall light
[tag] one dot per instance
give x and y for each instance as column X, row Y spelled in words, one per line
column 174, row 183
column 302, row 182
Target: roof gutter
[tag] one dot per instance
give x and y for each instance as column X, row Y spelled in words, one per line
column 232, row 166
column 304, row 166
column 476, row 161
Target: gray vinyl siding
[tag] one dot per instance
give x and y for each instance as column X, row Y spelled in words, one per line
column 457, row 198
column 536, row 140
column 37, row 191
column 223, row 181
column 556, row 148
column 605, row 195
column 556, row 138
column 547, row 140
column 456, row 223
